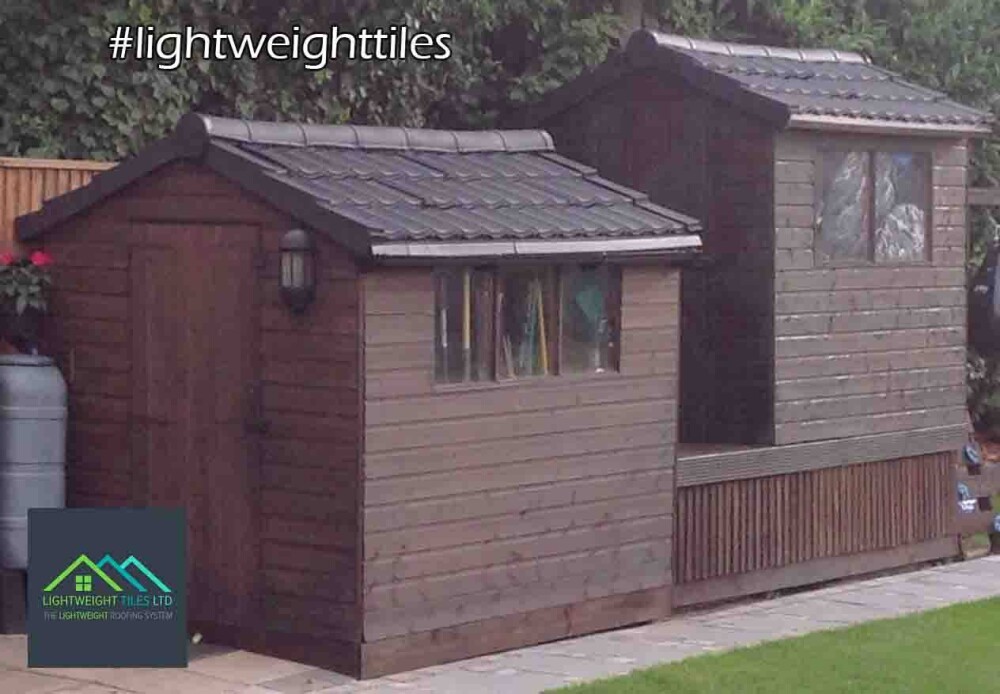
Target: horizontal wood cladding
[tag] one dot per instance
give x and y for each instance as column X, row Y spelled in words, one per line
column 88, row 331
column 511, row 631
column 488, row 501
column 309, row 480
column 866, row 349
column 736, row 326
column 750, row 525
column 308, row 494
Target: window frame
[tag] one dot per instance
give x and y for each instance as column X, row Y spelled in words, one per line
column 872, row 149
column 496, row 381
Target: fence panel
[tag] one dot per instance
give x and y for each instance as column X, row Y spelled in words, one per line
column 26, row 183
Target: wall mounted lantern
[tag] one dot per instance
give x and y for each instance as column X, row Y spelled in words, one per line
column 298, row 271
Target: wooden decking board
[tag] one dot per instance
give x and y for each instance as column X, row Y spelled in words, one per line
column 745, row 463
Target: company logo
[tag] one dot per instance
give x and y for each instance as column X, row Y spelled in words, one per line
column 84, row 570
column 94, row 600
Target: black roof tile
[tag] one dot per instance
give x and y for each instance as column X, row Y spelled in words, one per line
column 374, row 186
column 784, row 85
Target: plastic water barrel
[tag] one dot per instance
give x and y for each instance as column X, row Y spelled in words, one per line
column 32, row 448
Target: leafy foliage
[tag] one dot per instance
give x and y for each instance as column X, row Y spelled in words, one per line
column 62, row 96
column 24, row 289
column 24, row 283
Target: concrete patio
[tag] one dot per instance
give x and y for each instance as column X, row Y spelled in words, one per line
column 215, row 670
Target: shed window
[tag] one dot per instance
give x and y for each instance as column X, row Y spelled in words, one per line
column 589, row 319
column 874, row 207
column 528, row 328
column 525, row 322
column 464, row 325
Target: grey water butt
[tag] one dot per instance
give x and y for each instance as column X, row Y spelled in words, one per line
column 32, row 448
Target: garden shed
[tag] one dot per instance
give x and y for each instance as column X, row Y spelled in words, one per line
column 822, row 391
column 415, row 389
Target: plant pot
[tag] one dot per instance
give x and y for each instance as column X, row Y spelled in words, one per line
column 22, row 330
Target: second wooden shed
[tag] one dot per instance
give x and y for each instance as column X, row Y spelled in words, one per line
column 822, row 396
column 415, row 389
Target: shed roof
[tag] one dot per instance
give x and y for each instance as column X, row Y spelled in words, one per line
column 790, row 87
column 402, row 193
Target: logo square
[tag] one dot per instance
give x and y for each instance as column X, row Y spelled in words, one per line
column 106, row 588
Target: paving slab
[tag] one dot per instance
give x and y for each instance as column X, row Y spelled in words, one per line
column 21, row 682
column 221, row 670
column 307, row 681
column 242, row 667
column 13, row 651
column 461, row 681
column 148, row 680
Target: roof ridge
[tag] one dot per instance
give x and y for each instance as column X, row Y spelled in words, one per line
column 197, row 129
column 644, row 37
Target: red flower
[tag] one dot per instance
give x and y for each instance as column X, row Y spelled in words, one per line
column 41, row 259
column 6, row 258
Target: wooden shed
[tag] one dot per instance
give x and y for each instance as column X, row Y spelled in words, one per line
column 463, row 443
column 822, row 394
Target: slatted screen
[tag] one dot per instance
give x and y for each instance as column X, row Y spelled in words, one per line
column 750, row 525
column 26, row 183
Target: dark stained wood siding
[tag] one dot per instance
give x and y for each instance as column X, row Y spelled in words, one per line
column 873, row 349
column 500, row 499
column 693, row 154
column 737, row 308
column 307, row 498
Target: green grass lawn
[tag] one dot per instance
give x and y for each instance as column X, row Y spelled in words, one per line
column 955, row 649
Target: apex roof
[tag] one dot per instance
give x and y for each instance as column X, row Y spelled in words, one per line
column 789, row 87
column 402, row 193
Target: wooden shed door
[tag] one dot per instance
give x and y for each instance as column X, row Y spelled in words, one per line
column 195, row 328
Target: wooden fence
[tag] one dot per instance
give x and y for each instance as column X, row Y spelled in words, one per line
column 26, row 183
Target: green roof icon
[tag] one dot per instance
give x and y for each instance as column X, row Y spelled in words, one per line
column 83, row 560
column 119, row 570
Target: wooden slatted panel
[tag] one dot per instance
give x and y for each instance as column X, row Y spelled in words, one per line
column 26, row 183
column 751, row 525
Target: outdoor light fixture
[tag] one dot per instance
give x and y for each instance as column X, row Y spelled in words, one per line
column 298, row 272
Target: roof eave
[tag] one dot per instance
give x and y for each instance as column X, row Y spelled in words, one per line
column 59, row 209
column 802, row 121
column 639, row 57
column 679, row 246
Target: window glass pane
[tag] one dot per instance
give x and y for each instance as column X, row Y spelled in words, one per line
column 528, row 327
column 844, row 212
column 902, row 182
column 463, row 325
column 589, row 319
